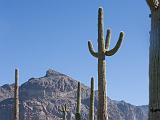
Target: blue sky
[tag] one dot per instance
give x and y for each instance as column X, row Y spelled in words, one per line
column 36, row 35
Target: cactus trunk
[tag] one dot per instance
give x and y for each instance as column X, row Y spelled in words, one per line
column 16, row 96
column 91, row 111
column 154, row 61
column 65, row 116
column 102, row 52
column 102, row 104
column 78, row 109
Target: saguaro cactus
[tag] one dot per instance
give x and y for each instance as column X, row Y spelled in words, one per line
column 91, row 111
column 154, row 61
column 78, row 110
column 102, row 52
column 16, row 96
column 64, row 109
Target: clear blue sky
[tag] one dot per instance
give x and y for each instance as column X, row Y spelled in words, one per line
column 36, row 35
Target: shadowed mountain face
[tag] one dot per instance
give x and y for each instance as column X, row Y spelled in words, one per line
column 42, row 98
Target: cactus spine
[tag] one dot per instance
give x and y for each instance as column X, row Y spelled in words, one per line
column 64, row 109
column 78, row 110
column 16, row 96
column 154, row 61
column 102, row 52
column 91, row 111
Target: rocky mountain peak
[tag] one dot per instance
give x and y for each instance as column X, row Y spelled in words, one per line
column 51, row 72
column 8, row 86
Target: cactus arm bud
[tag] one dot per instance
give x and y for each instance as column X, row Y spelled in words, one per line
column 108, row 37
column 115, row 49
column 91, row 50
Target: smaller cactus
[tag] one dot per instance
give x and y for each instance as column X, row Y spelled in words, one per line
column 64, row 109
column 16, row 96
column 91, row 111
column 78, row 115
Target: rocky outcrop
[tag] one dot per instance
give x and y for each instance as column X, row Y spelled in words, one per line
column 41, row 99
column 6, row 91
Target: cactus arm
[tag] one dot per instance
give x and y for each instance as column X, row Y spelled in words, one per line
column 115, row 49
column 91, row 50
column 66, row 108
column 153, row 4
column 108, row 37
column 61, row 109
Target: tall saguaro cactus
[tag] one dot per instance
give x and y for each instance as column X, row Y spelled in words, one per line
column 154, row 61
column 78, row 109
column 91, row 111
column 102, row 52
column 16, row 96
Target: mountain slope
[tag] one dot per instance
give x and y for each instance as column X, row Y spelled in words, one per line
column 6, row 91
column 42, row 98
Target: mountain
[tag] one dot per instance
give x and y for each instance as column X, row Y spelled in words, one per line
column 6, row 91
column 41, row 99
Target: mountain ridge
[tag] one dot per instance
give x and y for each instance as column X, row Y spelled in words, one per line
column 41, row 98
